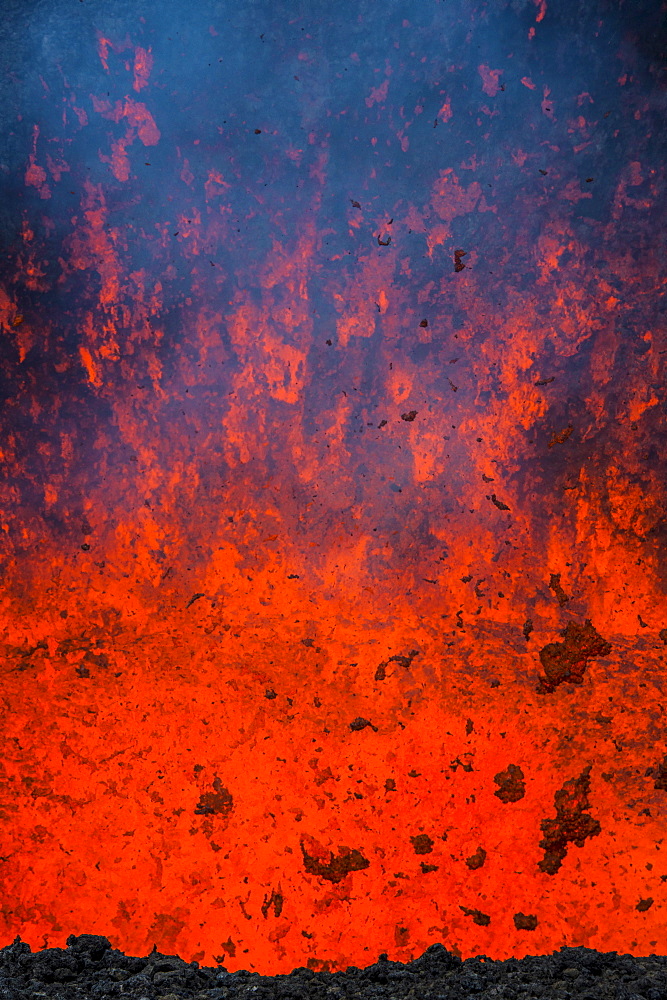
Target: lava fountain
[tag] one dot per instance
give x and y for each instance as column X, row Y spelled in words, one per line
column 332, row 498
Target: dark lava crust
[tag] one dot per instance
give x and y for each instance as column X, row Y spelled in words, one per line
column 90, row 968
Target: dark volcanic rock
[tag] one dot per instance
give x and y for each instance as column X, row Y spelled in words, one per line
column 90, row 969
column 337, row 868
column 567, row 660
column 571, row 825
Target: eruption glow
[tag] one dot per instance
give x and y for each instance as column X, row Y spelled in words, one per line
column 332, row 499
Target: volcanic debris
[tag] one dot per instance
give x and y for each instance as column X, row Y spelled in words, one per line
column 477, row 859
column 337, row 868
column 483, row 919
column 218, row 801
column 90, row 967
column 561, row 436
column 659, row 773
column 567, row 660
column 276, row 901
column 512, row 785
column 555, row 585
column 402, row 661
column 571, row 825
column 360, row 723
column 497, row 503
column 422, row 843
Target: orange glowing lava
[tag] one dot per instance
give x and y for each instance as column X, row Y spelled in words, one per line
column 333, row 508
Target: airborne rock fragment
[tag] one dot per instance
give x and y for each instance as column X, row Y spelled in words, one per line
column 571, row 825
column 422, row 843
column 360, row 723
column 497, row 503
column 562, row 436
column 512, row 784
column 567, row 660
column 337, row 868
column 555, row 585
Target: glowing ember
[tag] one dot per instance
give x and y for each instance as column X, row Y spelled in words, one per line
column 333, row 498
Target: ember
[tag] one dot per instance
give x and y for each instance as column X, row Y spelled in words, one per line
column 268, row 637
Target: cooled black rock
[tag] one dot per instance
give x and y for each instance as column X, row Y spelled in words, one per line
column 90, row 968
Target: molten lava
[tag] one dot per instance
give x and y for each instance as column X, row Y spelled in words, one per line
column 333, row 508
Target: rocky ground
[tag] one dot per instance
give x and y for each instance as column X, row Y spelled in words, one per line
column 90, row 967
